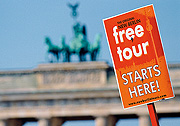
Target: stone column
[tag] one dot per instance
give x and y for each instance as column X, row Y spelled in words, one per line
column 144, row 120
column 111, row 121
column 56, row 121
column 3, row 123
column 100, row 121
column 43, row 122
column 105, row 121
column 14, row 122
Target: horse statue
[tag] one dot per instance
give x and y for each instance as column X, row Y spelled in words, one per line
column 52, row 49
column 65, row 50
column 95, row 47
column 79, row 45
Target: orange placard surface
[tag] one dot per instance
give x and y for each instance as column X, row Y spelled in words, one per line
column 138, row 57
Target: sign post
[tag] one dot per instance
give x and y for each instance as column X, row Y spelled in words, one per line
column 153, row 114
column 138, row 58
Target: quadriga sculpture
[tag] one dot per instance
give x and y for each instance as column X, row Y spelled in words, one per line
column 79, row 45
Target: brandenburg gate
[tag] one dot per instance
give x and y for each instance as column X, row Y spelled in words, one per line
column 54, row 93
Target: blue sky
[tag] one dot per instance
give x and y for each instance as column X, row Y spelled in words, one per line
column 25, row 23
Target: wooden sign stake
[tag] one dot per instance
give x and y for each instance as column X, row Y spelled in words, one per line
column 153, row 114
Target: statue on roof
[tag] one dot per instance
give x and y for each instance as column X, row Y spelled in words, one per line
column 79, row 45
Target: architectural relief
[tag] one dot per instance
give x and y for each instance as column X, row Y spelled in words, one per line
column 72, row 77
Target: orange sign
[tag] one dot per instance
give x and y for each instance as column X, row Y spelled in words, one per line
column 138, row 57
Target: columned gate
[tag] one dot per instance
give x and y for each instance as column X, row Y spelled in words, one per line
column 54, row 93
